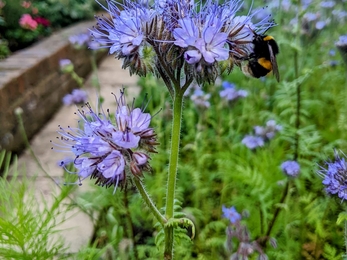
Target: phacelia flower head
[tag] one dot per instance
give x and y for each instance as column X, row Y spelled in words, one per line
column 231, row 214
column 170, row 38
column 77, row 97
column 125, row 32
column 230, row 93
column 262, row 135
column 335, row 176
column 253, row 142
column 80, row 39
column 200, row 98
column 110, row 149
column 269, row 131
column 84, row 40
column 290, row 168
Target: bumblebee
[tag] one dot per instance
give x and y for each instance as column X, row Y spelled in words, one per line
column 263, row 58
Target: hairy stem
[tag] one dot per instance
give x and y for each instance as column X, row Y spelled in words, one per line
column 172, row 175
column 130, row 227
column 149, row 202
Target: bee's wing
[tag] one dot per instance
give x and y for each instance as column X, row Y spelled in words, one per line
column 274, row 64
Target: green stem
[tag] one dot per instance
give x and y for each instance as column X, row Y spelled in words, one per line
column 262, row 241
column 173, row 164
column 130, row 227
column 149, row 202
column 77, row 78
column 298, row 107
column 345, row 239
column 95, row 81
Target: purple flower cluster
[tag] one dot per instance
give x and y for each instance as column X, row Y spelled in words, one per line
column 342, row 40
column 262, row 134
column 335, row 177
column 230, row 93
column 110, row 149
column 237, row 231
column 84, row 40
column 77, row 97
column 200, row 99
column 188, row 36
column 231, row 214
column 290, row 168
column 252, row 141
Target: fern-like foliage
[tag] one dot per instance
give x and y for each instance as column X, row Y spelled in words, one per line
column 28, row 230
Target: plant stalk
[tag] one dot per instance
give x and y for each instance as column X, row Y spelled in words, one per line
column 172, row 174
column 264, row 239
column 149, row 202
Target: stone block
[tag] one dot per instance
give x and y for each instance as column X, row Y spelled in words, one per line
column 31, row 79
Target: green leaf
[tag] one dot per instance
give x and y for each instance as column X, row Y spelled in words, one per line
column 342, row 217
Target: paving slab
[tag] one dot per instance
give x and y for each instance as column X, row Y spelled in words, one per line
column 78, row 228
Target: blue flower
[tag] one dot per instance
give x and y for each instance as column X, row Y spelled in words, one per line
column 124, row 32
column 200, row 99
column 204, row 34
column 342, row 40
column 186, row 34
column 231, row 214
column 230, row 93
column 269, row 131
column 78, row 96
column 335, row 177
column 290, row 168
column 327, row 4
column 253, row 142
column 80, row 39
column 204, row 37
column 109, row 149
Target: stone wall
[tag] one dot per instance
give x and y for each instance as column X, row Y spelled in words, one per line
column 30, row 79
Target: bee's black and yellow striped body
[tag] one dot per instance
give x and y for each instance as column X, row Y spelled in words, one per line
column 263, row 58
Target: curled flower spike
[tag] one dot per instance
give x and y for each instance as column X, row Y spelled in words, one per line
column 335, row 176
column 110, row 149
column 170, row 38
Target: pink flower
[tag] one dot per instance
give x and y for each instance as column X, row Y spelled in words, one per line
column 26, row 4
column 27, row 22
column 42, row 21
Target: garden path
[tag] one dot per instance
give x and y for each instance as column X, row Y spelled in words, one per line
column 78, row 228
